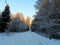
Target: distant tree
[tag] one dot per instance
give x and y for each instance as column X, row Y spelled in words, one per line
column 20, row 16
column 13, row 16
column 17, row 23
column 32, row 21
column 28, row 20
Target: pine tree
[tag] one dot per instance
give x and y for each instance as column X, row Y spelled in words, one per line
column 41, row 15
column 5, row 18
column 47, row 19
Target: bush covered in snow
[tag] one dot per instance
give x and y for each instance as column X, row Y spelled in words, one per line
column 18, row 26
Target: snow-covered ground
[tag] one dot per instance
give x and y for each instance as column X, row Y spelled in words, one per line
column 26, row 38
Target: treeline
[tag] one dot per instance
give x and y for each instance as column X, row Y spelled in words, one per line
column 19, row 23
column 10, row 22
column 47, row 18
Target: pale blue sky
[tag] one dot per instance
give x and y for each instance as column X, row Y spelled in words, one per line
column 24, row 6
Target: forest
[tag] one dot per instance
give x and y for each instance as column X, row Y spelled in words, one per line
column 46, row 21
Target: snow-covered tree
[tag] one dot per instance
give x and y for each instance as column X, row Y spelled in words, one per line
column 18, row 25
column 20, row 16
column 47, row 19
column 5, row 19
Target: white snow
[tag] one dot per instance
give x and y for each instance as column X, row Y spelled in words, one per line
column 26, row 38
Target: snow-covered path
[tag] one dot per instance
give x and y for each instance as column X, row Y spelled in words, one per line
column 26, row 38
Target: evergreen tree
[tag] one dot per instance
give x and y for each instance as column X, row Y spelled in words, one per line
column 5, row 18
column 47, row 19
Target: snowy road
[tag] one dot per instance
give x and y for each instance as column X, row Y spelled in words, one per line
column 26, row 38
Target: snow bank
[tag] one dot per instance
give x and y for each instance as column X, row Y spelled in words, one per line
column 26, row 38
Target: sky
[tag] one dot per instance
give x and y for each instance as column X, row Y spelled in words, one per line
column 24, row 6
